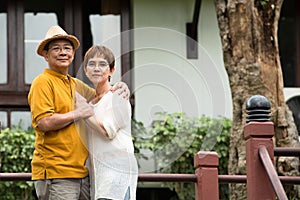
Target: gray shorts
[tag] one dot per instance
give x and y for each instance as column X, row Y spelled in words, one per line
column 62, row 189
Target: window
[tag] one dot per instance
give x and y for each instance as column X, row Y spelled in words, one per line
column 3, row 42
column 35, row 64
column 22, row 117
column 23, row 24
column 13, row 116
column 288, row 37
column 3, row 47
column 3, row 119
column 108, row 36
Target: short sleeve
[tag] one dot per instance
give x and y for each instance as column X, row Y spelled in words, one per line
column 40, row 99
column 117, row 115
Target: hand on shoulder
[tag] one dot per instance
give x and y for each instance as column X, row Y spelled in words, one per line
column 122, row 89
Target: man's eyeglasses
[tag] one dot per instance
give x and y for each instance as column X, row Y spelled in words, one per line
column 56, row 49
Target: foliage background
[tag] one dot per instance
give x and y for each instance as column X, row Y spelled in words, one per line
column 173, row 138
column 16, row 149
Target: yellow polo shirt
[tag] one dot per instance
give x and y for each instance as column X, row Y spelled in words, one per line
column 61, row 153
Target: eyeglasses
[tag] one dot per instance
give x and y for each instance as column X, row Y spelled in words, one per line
column 101, row 64
column 56, row 49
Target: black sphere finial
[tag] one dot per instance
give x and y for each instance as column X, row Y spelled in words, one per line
column 258, row 109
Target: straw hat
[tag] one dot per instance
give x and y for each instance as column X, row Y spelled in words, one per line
column 56, row 32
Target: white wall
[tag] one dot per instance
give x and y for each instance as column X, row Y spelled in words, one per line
column 164, row 79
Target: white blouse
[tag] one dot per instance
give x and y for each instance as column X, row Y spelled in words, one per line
column 113, row 166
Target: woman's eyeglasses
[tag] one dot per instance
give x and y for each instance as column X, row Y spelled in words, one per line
column 101, row 64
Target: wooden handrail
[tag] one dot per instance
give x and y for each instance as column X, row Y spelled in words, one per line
column 272, row 174
column 232, row 178
column 287, row 151
column 15, row 176
column 156, row 177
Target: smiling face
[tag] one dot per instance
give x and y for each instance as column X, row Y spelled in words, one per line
column 98, row 70
column 59, row 55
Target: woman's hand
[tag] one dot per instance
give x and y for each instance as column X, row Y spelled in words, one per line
column 122, row 89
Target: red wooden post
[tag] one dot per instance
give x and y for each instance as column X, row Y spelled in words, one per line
column 207, row 186
column 257, row 132
column 258, row 184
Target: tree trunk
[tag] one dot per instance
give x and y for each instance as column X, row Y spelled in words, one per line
column 248, row 31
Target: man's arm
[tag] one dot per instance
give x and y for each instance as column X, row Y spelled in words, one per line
column 58, row 121
column 55, row 121
column 91, row 121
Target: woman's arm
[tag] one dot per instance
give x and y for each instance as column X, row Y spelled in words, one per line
column 90, row 120
column 117, row 115
column 97, row 126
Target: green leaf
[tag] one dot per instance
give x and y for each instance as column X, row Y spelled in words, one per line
column 176, row 138
column 16, row 149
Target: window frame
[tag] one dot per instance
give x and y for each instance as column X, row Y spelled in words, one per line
column 14, row 92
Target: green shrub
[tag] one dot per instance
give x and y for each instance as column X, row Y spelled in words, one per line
column 174, row 140
column 16, row 149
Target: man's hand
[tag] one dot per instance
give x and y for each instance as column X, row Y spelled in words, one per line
column 122, row 89
column 82, row 108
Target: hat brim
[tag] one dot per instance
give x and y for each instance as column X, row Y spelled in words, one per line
column 71, row 38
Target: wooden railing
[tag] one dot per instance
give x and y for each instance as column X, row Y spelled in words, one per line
column 271, row 172
column 211, row 181
column 262, row 180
